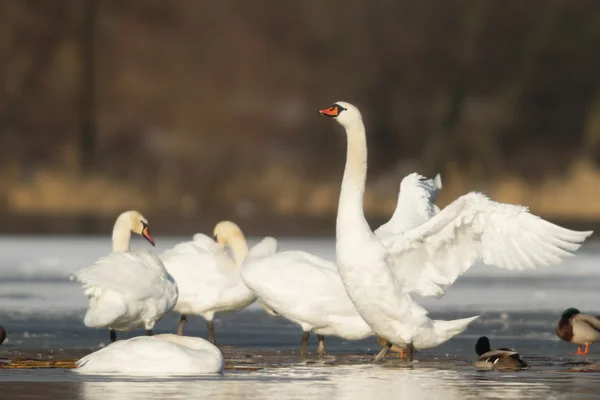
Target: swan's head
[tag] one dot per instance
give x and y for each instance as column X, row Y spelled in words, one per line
column 136, row 223
column 226, row 231
column 344, row 113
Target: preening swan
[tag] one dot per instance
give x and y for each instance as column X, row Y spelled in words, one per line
column 208, row 278
column 158, row 355
column 127, row 289
column 429, row 257
column 308, row 290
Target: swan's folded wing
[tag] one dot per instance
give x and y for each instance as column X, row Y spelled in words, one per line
column 430, row 257
column 200, row 272
column 206, row 242
column 140, row 274
column 415, row 205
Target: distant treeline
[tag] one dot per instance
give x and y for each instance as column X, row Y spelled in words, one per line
column 196, row 104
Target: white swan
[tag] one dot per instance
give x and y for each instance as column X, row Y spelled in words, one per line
column 429, row 257
column 208, row 278
column 127, row 289
column 308, row 290
column 157, row 355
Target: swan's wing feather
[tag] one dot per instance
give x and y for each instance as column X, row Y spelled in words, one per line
column 415, row 204
column 303, row 285
column 432, row 256
column 200, row 272
column 207, row 243
column 139, row 274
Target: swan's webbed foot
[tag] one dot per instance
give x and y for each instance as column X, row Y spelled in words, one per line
column 182, row 322
column 321, row 349
column 113, row 335
column 304, row 347
column 383, row 351
column 148, row 332
column 211, row 331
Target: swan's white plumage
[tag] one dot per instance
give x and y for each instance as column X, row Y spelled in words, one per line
column 308, row 290
column 431, row 256
column 158, row 355
column 127, row 290
column 208, row 278
column 416, row 204
column 304, row 289
column 459, row 235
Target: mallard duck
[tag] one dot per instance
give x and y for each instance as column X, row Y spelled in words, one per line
column 577, row 328
column 502, row 359
column 2, row 334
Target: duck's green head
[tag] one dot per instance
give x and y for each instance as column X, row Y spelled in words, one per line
column 569, row 312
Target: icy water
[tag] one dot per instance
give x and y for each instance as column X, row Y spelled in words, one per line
column 41, row 309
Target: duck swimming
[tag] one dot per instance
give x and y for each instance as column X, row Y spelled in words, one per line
column 580, row 329
column 502, row 359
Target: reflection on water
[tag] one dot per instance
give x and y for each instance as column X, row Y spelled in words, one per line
column 339, row 383
column 361, row 382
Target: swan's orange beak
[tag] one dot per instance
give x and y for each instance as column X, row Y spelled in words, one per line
column 147, row 236
column 332, row 111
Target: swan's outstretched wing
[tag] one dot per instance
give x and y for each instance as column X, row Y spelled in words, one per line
column 416, row 204
column 138, row 275
column 430, row 257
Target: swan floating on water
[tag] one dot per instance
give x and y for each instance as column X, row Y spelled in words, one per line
column 158, row 355
column 431, row 256
column 308, row 290
column 127, row 289
column 208, row 278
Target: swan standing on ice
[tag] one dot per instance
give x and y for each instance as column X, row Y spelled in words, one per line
column 158, row 355
column 127, row 289
column 208, row 278
column 431, row 256
column 308, row 290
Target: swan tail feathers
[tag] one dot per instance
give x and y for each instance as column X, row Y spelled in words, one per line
column 445, row 330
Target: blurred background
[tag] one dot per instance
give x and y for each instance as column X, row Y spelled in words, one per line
column 198, row 111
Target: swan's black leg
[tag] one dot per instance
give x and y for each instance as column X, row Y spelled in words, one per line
column 321, row 349
column 383, row 351
column 182, row 322
column 410, row 349
column 304, row 347
column 113, row 335
column 148, row 332
column 211, row 332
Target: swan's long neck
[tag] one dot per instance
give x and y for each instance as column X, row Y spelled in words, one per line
column 239, row 247
column 121, row 235
column 351, row 217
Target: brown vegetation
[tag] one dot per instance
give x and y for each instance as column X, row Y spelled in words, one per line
column 197, row 107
